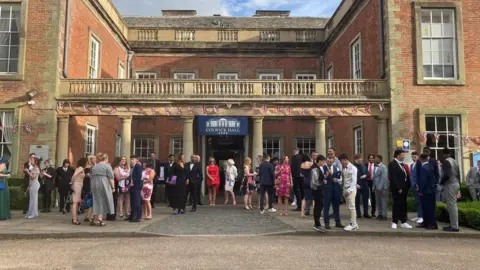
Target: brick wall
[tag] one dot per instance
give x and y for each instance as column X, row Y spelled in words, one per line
column 289, row 128
column 83, row 23
column 338, row 53
column 206, row 66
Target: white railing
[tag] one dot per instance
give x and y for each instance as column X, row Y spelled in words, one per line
column 172, row 89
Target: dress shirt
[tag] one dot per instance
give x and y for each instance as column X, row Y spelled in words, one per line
column 350, row 174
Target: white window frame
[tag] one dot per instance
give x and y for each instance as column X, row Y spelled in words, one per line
column 428, row 39
column 3, row 141
column 138, row 146
column 94, row 61
column 121, row 71
column 13, row 7
column 146, row 75
column 232, row 74
column 356, row 59
column 330, row 142
column 264, row 76
column 330, row 73
column 309, row 141
column 180, row 75
column 90, row 140
column 358, row 140
column 454, row 129
column 176, row 145
column 306, row 76
column 118, row 145
column 271, row 140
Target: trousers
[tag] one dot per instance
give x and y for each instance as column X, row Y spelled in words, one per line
column 418, row 202
column 362, row 196
column 269, row 190
column 350, row 201
column 373, row 196
column 135, row 204
column 298, row 190
column 399, row 207
column 63, row 192
column 192, row 190
column 332, row 194
column 381, row 200
column 474, row 193
column 428, row 209
column 450, row 192
column 47, row 197
column 318, row 207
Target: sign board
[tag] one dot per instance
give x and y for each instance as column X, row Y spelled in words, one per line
column 222, row 126
column 475, row 158
column 41, row 151
column 405, row 145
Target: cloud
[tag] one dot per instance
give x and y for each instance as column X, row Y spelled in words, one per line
column 228, row 7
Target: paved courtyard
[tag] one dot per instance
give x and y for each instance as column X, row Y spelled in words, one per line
column 207, row 221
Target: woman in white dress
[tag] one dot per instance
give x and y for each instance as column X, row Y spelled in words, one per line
column 230, row 177
column 33, row 186
column 122, row 176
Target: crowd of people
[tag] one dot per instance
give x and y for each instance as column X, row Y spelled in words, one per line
column 125, row 188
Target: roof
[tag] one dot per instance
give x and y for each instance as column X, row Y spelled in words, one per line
column 207, row 22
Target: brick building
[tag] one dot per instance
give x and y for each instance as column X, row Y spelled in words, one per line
column 376, row 72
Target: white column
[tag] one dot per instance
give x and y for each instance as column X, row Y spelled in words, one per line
column 187, row 137
column 257, row 137
column 320, row 139
column 62, row 139
column 126, row 136
column 383, row 139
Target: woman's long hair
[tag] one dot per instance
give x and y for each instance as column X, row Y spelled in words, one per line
column 102, row 157
column 247, row 161
column 90, row 161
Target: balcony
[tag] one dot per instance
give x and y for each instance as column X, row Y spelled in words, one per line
column 192, row 91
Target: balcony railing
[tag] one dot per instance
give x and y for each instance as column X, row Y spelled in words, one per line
column 218, row 89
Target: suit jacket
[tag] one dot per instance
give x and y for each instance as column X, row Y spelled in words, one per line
column 426, row 181
column 296, row 164
column 157, row 164
column 380, row 180
column 63, row 178
column 195, row 175
column 399, row 179
column 137, row 177
column 472, row 179
column 168, row 170
column 337, row 174
column 266, row 172
column 434, row 164
column 49, row 182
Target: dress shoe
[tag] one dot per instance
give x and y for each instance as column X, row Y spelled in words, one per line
column 379, row 218
column 307, row 213
column 421, row 225
column 135, row 220
column 359, row 216
column 194, row 209
column 450, row 229
column 327, row 226
column 367, row 216
column 200, row 203
column 297, row 209
column 339, row 225
column 373, row 215
column 431, row 228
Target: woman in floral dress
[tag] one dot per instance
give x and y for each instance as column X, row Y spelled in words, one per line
column 248, row 184
column 283, row 183
column 147, row 176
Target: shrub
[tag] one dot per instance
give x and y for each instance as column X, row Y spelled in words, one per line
column 18, row 199
column 468, row 214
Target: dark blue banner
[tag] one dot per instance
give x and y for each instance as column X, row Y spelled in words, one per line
column 222, row 126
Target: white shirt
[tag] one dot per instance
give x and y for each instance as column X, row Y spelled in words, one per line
column 191, row 166
column 400, row 163
column 350, row 174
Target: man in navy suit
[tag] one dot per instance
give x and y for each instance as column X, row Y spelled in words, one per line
column 266, row 172
column 332, row 193
column 135, row 190
column 426, row 190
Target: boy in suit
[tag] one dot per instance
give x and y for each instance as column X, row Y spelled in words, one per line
column 135, row 190
column 426, row 190
column 380, row 185
column 266, row 172
column 332, row 193
column 399, row 185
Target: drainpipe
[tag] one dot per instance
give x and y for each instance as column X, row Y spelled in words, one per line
column 322, row 66
column 382, row 39
column 129, row 64
column 66, row 39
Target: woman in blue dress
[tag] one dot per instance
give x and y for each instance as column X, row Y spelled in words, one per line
column 4, row 196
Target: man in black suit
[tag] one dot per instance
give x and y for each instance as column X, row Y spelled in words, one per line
column 26, row 178
column 199, row 186
column 171, row 161
column 426, row 188
column 63, row 177
column 296, row 170
column 399, row 186
column 194, row 175
column 266, row 172
column 48, row 179
column 156, row 166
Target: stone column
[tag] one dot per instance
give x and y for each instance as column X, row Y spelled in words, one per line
column 383, row 139
column 126, row 136
column 188, row 137
column 257, row 147
column 320, row 136
column 62, row 139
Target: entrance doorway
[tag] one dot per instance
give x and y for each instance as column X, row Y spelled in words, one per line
column 223, row 148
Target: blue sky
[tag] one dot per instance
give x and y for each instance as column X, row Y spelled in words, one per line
column 322, row 8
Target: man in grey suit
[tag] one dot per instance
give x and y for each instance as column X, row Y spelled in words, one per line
column 451, row 184
column 266, row 172
column 380, row 185
column 473, row 182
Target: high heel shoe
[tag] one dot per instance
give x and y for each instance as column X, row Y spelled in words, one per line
column 75, row 222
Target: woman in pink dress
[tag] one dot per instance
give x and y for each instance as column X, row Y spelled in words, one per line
column 147, row 176
column 213, row 180
column 283, row 183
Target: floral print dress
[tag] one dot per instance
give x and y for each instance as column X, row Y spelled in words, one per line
column 283, row 187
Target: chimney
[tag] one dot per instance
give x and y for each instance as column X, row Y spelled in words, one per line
column 178, row 13
column 272, row 13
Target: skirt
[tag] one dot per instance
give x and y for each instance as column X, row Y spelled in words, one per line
column 146, row 192
column 77, row 192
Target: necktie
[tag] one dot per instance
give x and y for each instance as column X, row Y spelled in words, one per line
column 370, row 171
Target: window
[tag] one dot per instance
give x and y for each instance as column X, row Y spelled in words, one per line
column 6, row 134
column 227, row 76
column 306, row 76
column 118, row 145
column 90, row 140
column 438, row 43
column 9, row 37
column 269, row 76
column 331, row 142
column 358, row 140
column 330, row 73
column 184, row 76
column 121, row 71
column 269, row 87
column 185, row 35
column 143, row 147
column 94, row 58
column 306, row 145
column 272, row 147
column 447, row 129
column 356, row 60
column 146, row 75
column 176, row 146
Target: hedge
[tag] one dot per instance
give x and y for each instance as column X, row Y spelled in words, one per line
column 468, row 214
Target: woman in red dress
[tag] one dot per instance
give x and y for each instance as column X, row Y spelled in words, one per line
column 213, row 180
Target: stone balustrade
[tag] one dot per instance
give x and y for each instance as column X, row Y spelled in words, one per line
column 287, row 90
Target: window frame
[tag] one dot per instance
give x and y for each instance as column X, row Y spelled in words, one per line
column 145, row 73
column 331, row 142
column 458, row 45
column 118, row 145
column 329, row 75
column 311, row 141
column 358, row 140
column 148, row 149
column 455, row 130
column 173, row 142
column 120, row 71
column 278, row 75
column 280, row 145
column 19, row 75
column 184, row 73
column 94, row 137
column 306, row 75
column 92, row 40
column 353, row 68
column 3, row 142
column 227, row 74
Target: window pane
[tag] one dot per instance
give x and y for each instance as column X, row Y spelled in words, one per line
column 436, row 16
column 447, row 16
column 3, row 65
column 13, row 52
column 436, row 30
column 426, row 45
column 438, row 71
column 5, row 8
column 4, row 25
column 447, row 45
column 427, row 58
column 3, row 52
column 447, row 58
column 437, row 57
column 426, row 16
column 436, row 45
column 451, row 127
column 13, row 66
column 15, row 39
column 426, row 30
column 430, row 123
column 451, row 142
column 4, row 39
column 427, row 71
column 448, row 72
column 448, row 30
column 441, row 124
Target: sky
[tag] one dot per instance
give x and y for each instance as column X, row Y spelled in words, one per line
column 316, row 8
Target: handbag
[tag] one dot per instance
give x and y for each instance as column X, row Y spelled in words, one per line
column 173, row 180
column 277, row 181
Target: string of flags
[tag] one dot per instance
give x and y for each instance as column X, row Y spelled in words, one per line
column 205, row 109
column 436, row 137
